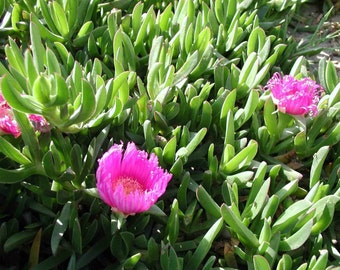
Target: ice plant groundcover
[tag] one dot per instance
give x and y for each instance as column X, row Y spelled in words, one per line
column 168, row 135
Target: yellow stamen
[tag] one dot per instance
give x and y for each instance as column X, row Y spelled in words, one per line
column 129, row 185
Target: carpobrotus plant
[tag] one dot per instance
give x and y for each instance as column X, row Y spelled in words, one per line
column 8, row 124
column 128, row 181
column 136, row 93
column 296, row 97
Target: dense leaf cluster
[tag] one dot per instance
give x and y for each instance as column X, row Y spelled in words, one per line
column 252, row 188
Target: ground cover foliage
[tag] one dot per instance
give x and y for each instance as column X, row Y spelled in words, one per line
column 252, row 188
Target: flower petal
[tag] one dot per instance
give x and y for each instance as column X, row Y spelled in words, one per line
column 117, row 169
column 297, row 97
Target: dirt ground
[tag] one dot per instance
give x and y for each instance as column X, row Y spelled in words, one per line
column 311, row 16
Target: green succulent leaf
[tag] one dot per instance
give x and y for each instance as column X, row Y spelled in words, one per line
column 18, row 101
column 205, row 245
column 297, row 239
column 207, row 202
column 173, row 223
column 260, row 263
column 60, row 227
column 246, row 236
column 288, row 218
column 241, row 159
column 285, row 262
column 318, row 161
column 18, row 239
column 12, row 152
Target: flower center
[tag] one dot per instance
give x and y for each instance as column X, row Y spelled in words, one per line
column 129, row 185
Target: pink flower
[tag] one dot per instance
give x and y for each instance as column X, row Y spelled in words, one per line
column 39, row 123
column 8, row 125
column 292, row 96
column 129, row 181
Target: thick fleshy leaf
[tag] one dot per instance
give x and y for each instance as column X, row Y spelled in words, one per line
column 207, row 202
column 12, row 152
column 246, row 236
column 318, row 161
column 297, row 239
column 289, row 216
column 23, row 103
column 60, row 227
column 59, row 18
column 204, row 245
column 260, row 263
column 173, row 224
column 18, row 239
column 241, row 159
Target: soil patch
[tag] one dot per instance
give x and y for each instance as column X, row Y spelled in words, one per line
column 326, row 37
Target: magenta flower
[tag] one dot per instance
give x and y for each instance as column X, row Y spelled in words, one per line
column 292, row 96
column 8, row 125
column 39, row 123
column 129, row 181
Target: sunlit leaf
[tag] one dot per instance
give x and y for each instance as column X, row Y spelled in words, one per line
column 60, row 227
